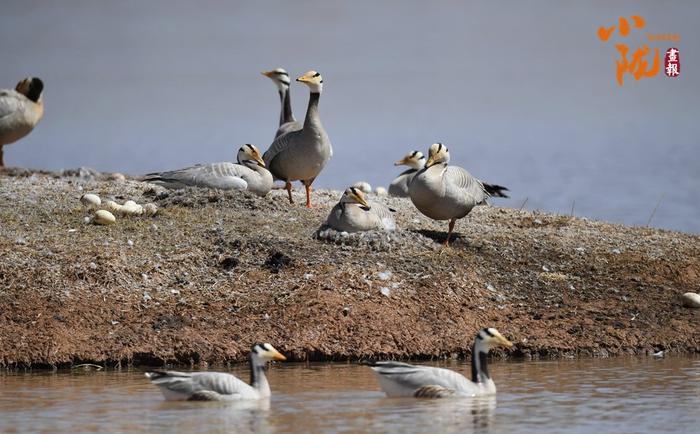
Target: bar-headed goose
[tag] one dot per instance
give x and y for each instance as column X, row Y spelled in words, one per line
column 402, row 379
column 444, row 192
column 399, row 186
column 218, row 386
column 287, row 121
column 354, row 214
column 20, row 110
column 250, row 173
column 301, row 155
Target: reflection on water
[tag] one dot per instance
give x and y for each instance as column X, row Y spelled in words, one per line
column 616, row 395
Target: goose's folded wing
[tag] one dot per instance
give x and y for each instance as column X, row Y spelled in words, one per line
column 415, row 377
column 11, row 103
column 200, row 385
column 288, row 127
column 280, row 143
column 468, row 185
column 216, row 175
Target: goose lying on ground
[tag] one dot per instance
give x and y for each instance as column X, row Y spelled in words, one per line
column 354, row 214
column 218, row 386
column 402, row 379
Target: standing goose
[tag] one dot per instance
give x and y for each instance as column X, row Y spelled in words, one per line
column 20, row 110
column 402, row 379
column 444, row 192
column 218, row 386
column 301, row 155
column 399, row 186
column 250, row 173
column 354, row 214
column 287, row 122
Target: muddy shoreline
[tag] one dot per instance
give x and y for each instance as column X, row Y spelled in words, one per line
column 214, row 272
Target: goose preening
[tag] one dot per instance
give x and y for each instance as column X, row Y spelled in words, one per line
column 20, row 110
column 444, row 192
column 287, row 122
column 249, row 174
column 302, row 154
column 218, row 386
column 354, row 214
column 402, row 379
column 399, row 186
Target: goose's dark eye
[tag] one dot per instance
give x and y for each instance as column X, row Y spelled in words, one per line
column 317, row 74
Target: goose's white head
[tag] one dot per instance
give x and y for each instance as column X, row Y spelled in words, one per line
column 414, row 160
column 249, row 154
column 279, row 76
column 491, row 338
column 31, row 87
column 265, row 353
column 354, row 195
column 312, row 79
column 437, row 154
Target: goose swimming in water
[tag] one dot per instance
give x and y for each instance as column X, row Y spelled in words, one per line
column 249, row 174
column 301, row 155
column 21, row 110
column 354, row 214
column 218, row 386
column 287, row 121
column 444, row 192
column 402, row 379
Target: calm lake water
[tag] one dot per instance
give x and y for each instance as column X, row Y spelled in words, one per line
column 622, row 395
column 523, row 93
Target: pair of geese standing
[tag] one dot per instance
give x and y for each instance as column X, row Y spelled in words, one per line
column 395, row 378
column 298, row 152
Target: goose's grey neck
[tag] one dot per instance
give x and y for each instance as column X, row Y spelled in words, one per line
column 282, row 104
column 312, row 118
column 258, row 380
column 480, row 368
column 287, row 115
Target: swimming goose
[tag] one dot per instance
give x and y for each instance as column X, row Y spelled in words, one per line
column 354, row 214
column 287, row 122
column 402, row 379
column 301, row 155
column 399, row 186
column 218, row 386
column 250, row 173
column 444, row 192
column 20, row 110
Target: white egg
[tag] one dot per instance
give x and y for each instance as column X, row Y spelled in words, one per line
column 131, row 208
column 380, row 191
column 150, row 209
column 104, row 217
column 112, row 206
column 90, row 200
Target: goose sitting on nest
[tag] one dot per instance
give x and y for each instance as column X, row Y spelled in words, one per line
column 402, row 379
column 218, row 386
column 249, row 174
column 354, row 214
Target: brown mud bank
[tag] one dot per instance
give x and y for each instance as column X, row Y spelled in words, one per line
column 214, row 272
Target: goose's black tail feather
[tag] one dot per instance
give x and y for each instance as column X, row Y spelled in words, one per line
column 495, row 190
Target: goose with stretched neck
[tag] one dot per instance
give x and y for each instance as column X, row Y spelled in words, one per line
column 399, row 186
column 402, row 379
column 287, row 121
column 353, row 213
column 21, row 110
column 248, row 174
column 218, row 386
column 301, row 155
column 444, row 192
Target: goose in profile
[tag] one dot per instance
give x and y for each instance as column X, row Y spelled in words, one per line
column 401, row 379
column 21, row 110
column 249, row 174
column 302, row 154
column 399, row 186
column 354, row 214
column 287, row 122
column 218, row 386
column 416, row 161
column 444, row 192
